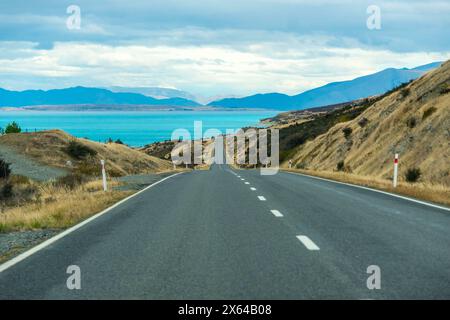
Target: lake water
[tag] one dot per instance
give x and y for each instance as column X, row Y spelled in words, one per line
column 133, row 128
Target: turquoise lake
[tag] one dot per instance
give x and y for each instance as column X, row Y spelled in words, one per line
column 133, row 128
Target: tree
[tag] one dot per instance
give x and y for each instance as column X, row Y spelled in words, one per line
column 13, row 127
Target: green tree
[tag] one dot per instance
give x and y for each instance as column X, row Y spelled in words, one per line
column 13, row 127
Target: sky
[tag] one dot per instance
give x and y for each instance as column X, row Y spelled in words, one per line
column 215, row 48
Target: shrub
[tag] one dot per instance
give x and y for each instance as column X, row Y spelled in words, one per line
column 5, row 170
column 412, row 175
column 340, row 166
column 70, row 181
column 428, row 112
column 13, row 127
column 347, row 132
column 363, row 122
column 118, row 141
column 6, row 191
column 79, row 151
column 411, row 122
column 405, row 92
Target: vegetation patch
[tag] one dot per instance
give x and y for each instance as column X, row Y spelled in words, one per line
column 79, row 151
column 413, row 175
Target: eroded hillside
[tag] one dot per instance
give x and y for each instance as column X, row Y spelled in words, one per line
column 413, row 121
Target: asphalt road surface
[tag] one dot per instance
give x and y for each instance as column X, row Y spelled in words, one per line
column 234, row 234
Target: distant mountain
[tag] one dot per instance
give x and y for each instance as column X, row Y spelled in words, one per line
column 83, row 95
column 155, row 92
column 332, row 93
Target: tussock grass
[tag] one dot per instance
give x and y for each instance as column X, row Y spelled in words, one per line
column 60, row 207
column 437, row 193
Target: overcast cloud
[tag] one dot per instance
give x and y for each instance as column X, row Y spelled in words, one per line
column 214, row 47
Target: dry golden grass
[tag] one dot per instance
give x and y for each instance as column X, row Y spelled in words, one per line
column 60, row 208
column 437, row 193
column 49, row 148
column 369, row 150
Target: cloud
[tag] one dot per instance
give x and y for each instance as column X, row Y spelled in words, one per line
column 215, row 47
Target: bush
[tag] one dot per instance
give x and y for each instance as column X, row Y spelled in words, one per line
column 347, row 132
column 5, row 170
column 363, row 122
column 118, row 141
column 405, row 92
column 13, row 127
column 428, row 112
column 70, row 181
column 6, row 191
column 340, row 166
column 412, row 175
column 411, row 122
column 79, row 151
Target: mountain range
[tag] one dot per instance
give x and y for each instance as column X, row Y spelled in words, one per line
column 83, row 95
column 332, row 93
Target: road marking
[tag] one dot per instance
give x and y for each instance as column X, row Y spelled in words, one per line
column 253, row 189
column 307, row 242
column 276, row 213
column 242, row 179
column 261, row 198
column 238, row 176
column 374, row 190
column 247, row 183
column 26, row 254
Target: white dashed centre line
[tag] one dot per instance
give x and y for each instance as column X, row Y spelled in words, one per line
column 247, row 183
column 276, row 213
column 308, row 243
column 261, row 198
column 243, row 179
column 253, row 189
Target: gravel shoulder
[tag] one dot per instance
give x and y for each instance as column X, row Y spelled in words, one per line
column 24, row 166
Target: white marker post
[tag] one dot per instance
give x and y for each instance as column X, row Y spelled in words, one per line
column 290, row 164
column 395, row 170
column 105, row 186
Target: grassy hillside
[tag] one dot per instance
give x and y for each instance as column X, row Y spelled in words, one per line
column 413, row 120
column 51, row 148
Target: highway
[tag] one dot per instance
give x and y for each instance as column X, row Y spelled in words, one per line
column 234, row 234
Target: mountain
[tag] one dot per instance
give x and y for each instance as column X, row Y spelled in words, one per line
column 155, row 92
column 332, row 93
column 413, row 121
column 83, row 95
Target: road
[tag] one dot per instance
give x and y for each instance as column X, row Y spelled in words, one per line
column 234, row 234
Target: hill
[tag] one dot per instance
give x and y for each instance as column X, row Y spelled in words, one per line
column 332, row 93
column 51, row 148
column 84, row 96
column 413, row 120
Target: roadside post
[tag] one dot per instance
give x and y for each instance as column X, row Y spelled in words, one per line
column 105, row 186
column 395, row 171
column 290, row 163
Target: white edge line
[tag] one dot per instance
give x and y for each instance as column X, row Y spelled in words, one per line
column 276, row 213
column 46, row 243
column 371, row 189
column 308, row 243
